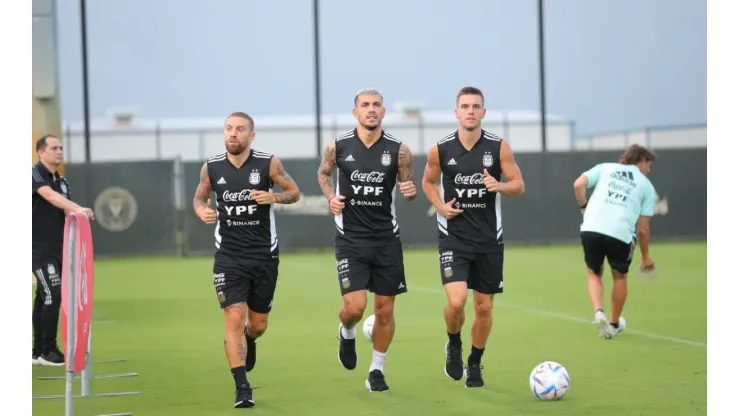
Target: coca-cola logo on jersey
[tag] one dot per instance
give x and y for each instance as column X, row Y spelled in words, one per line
column 242, row 195
column 374, row 177
column 474, row 179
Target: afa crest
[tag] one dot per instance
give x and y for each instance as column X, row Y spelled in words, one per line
column 254, row 177
column 487, row 160
column 385, row 159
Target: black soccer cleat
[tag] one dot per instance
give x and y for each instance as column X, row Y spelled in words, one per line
column 243, row 397
column 53, row 357
column 454, row 364
column 347, row 352
column 251, row 351
column 376, row 382
column 475, row 376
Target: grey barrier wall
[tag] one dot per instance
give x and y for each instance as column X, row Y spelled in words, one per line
column 133, row 204
column 546, row 213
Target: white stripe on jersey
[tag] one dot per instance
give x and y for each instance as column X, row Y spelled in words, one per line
column 390, row 137
column 346, row 135
column 447, row 138
column 261, row 155
column 217, row 158
column 491, row 136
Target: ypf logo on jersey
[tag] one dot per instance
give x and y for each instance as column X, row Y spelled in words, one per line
column 240, row 196
column 254, row 177
column 487, row 159
column 116, row 209
column 385, row 158
column 367, row 177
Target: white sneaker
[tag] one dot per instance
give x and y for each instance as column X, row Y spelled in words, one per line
column 622, row 326
column 602, row 322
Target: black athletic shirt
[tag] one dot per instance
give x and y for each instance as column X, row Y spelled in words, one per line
column 48, row 220
column 367, row 178
column 245, row 231
column 478, row 228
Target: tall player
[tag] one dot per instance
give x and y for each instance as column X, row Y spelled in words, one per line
column 624, row 198
column 370, row 164
column 245, row 268
column 470, row 162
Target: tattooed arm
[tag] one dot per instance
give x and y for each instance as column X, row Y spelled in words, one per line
column 405, row 173
column 328, row 164
column 201, row 200
column 290, row 193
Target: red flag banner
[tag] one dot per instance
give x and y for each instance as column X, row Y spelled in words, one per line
column 77, row 264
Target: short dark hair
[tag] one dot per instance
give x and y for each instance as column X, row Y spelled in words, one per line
column 41, row 142
column 636, row 154
column 245, row 116
column 470, row 91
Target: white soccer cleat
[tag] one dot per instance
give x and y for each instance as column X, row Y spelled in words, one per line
column 602, row 322
column 622, row 326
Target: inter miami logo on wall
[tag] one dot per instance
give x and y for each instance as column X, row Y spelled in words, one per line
column 254, row 177
column 385, row 159
column 115, row 209
column 487, row 160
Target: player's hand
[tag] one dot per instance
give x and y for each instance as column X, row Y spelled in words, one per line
column 449, row 211
column 407, row 189
column 262, row 197
column 208, row 215
column 491, row 183
column 647, row 263
column 87, row 211
column 336, row 204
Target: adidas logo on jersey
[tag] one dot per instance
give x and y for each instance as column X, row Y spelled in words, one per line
column 349, row 159
column 221, row 181
column 452, row 162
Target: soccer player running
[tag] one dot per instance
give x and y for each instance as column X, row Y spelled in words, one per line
column 370, row 164
column 245, row 268
column 470, row 162
column 624, row 199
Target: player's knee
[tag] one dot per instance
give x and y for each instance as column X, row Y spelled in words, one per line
column 235, row 316
column 384, row 311
column 483, row 306
column 456, row 302
column 257, row 328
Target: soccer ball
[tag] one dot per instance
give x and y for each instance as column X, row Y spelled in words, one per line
column 367, row 327
column 549, row 381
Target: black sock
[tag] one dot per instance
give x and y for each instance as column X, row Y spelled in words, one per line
column 599, row 310
column 455, row 340
column 615, row 325
column 475, row 355
column 240, row 375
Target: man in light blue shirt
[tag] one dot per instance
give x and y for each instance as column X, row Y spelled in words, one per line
column 615, row 217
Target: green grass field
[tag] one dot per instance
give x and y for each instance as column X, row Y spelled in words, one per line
column 163, row 316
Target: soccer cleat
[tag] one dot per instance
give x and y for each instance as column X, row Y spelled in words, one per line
column 475, row 376
column 622, row 326
column 454, row 365
column 602, row 323
column 376, row 382
column 52, row 357
column 251, row 351
column 347, row 353
column 243, row 396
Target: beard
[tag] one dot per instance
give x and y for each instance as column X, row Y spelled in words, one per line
column 237, row 149
column 369, row 127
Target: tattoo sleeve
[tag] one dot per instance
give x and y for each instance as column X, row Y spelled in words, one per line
column 405, row 172
column 203, row 191
column 292, row 193
column 328, row 164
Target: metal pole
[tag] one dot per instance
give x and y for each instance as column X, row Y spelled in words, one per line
column 543, row 101
column 85, row 96
column 70, row 348
column 317, row 75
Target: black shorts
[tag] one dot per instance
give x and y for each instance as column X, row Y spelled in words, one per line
column 253, row 284
column 483, row 272
column 48, row 272
column 596, row 246
column 377, row 269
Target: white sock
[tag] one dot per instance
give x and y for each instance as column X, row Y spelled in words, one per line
column 378, row 361
column 348, row 333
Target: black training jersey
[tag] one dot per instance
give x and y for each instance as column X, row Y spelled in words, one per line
column 366, row 177
column 48, row 220
column 478, row 228
column 245, row 231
